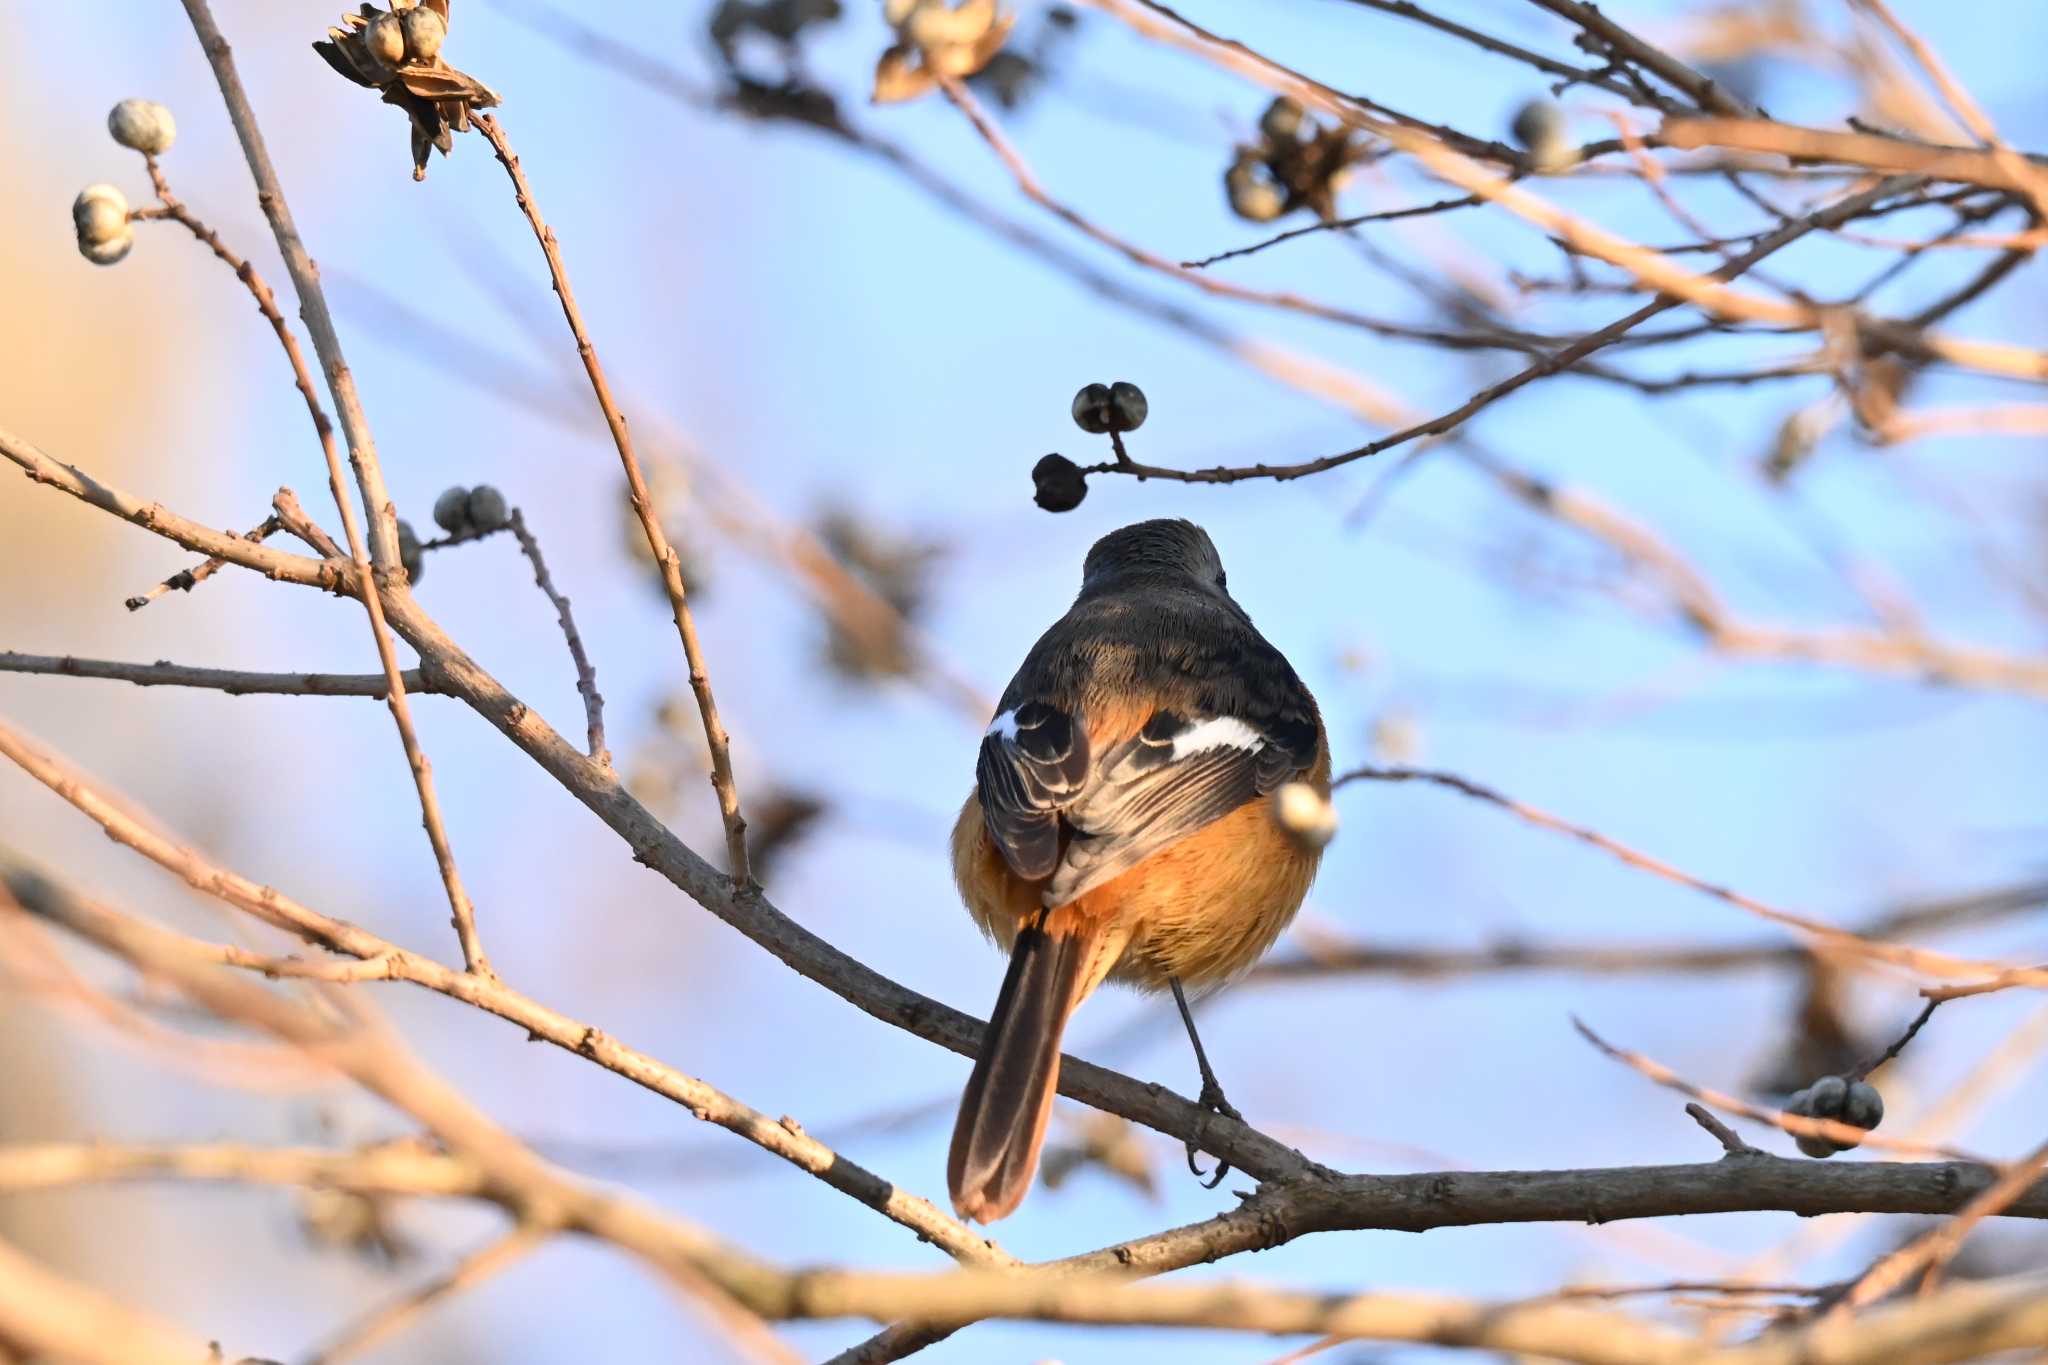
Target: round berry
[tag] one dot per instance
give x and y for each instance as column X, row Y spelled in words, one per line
column 1253, row 195
column 1816, row 1147
column 99, row 214
column 1058, row 484
column 1127, row 406
column 451, row 511
column 1826, row 1096
column 1091, row 409
column 1864, row 1107
column 410, row 557
column 1305, row 814
column 1282, row 120
column 143, row 125
column 108, row 251
column 487, row 511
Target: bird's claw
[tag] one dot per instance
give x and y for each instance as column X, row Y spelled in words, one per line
column 1211, row 1100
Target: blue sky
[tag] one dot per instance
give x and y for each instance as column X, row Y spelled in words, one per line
column 826, row 335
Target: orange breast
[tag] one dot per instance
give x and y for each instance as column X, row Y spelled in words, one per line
column 1203, row 909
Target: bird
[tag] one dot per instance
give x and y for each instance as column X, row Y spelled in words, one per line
column 1122, row 826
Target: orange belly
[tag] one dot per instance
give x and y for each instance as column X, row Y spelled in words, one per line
column 1202, row 910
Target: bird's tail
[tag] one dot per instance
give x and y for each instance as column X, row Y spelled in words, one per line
column 1057, row 961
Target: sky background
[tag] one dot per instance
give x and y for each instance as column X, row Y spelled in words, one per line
column 827, row 336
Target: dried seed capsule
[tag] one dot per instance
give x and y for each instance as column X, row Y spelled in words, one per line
column 425, row 31
column 1127, row 406
column 487, row 511
column 143, row 125
column 1058, row 484
column 384, row 39
column 1092, row 409
column 451, row 511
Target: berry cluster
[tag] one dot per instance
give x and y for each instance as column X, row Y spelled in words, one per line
column 1855, row 1103
column 1058, row 483
column 469, row 512
column 1294, row 164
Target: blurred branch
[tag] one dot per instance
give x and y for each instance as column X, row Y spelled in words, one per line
column 1316, row 958
column 389, row 962
column 382, row 1323
column 1869, row 150
column 1822, row 936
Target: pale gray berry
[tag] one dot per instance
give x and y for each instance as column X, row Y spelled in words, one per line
column 1540, row 127
column 425, row 31
column 1864, row 1107
column 451, row 511
column 1826, row 1096
column 144, row 125
column 1282, row 120
column 487, row 511
column 99, row 214
column 109, row 251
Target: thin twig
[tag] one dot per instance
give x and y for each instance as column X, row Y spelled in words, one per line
column 1798, row 1125
column 378, row 556
column 187, row 579
column 586, row 676
column 235, row 682
column 644, row 507
column 387, row 1320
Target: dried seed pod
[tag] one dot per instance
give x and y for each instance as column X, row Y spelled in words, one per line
column 425, row 31
column 1058, row 484
column 384, row 39
column 1092, row 409
column 143, row 125
column 451, row 511
column 1127, row 406
column 487, row 510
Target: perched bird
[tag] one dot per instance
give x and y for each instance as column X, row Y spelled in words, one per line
column 1122, row 825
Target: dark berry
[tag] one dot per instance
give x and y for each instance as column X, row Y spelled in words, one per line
column 1059, row 483
column 1092, row 409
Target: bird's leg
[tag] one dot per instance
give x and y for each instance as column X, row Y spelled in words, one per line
column 1211, row 1097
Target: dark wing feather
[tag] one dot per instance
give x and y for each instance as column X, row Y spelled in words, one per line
column 1033, row 762
column 1172, row 778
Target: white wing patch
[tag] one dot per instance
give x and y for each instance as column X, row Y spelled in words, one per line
column 1216, row 733
column 1004, row 727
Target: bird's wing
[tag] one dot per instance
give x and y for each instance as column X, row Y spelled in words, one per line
column 1176, row 775
column 1033, row 763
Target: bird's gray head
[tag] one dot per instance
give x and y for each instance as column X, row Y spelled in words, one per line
column 1166, row 548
